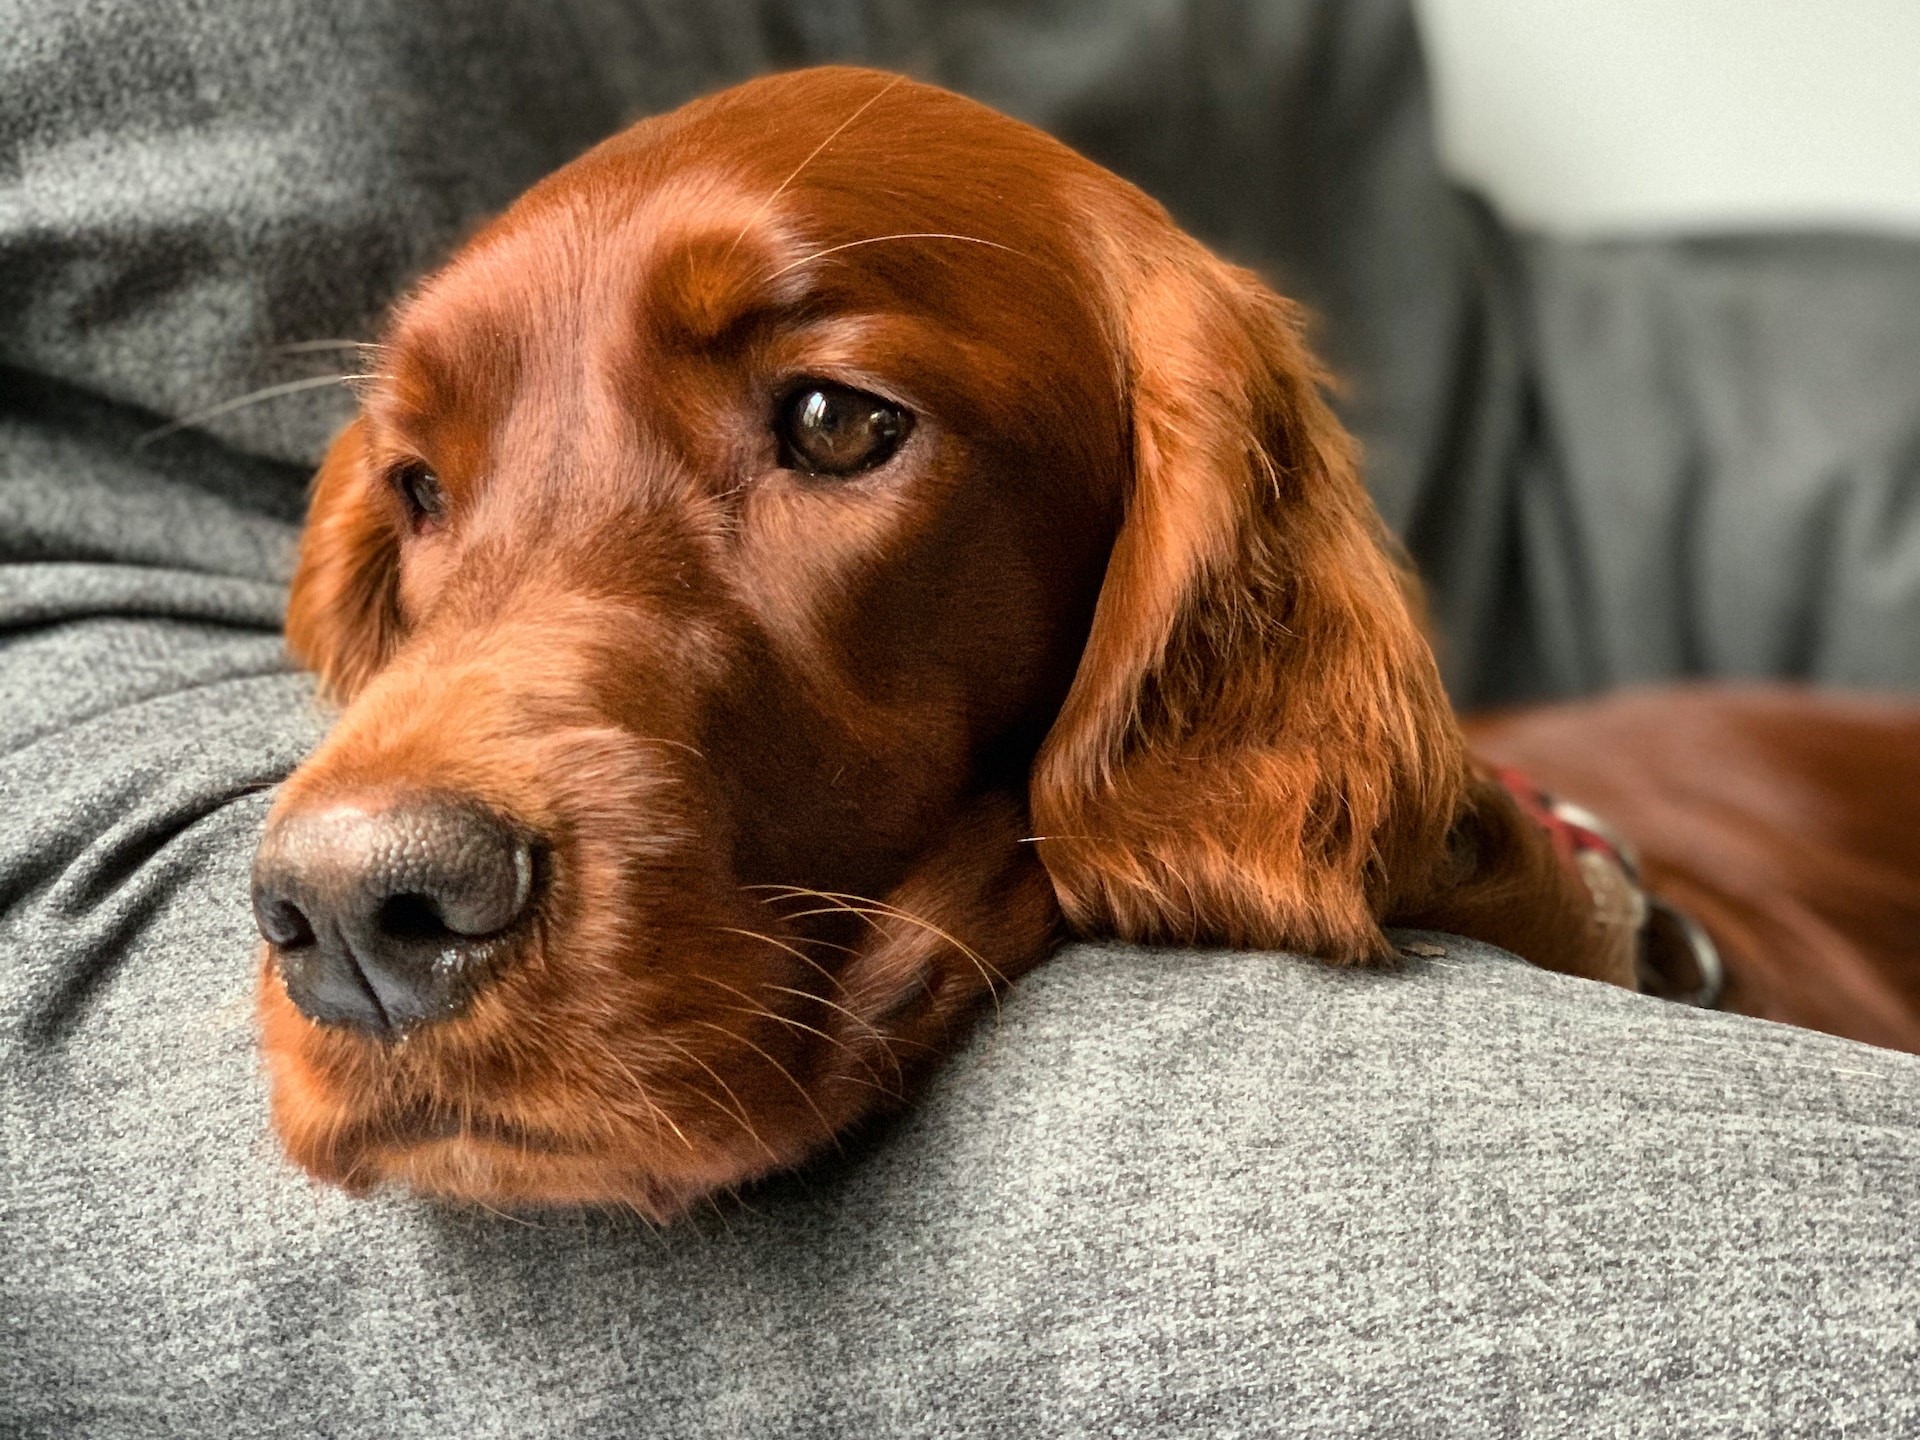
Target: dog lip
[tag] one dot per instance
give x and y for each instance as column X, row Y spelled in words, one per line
column 434, row 1126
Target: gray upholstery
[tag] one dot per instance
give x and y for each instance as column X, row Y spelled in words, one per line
column 1735, row 484
column 1162, row 1193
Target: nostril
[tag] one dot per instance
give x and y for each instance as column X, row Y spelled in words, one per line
column 384, row 917
column 456, row 874
column 282, row 923
column 412, row 918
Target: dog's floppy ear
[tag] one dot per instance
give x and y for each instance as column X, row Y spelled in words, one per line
column 343, row 617
column 1256, row 748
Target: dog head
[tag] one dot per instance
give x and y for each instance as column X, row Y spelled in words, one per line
column 796, row 555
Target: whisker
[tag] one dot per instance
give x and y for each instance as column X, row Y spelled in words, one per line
column 605, row 1051
column 700, row 1092
column 852, row 904
column 503, row 1215
column 761, row 1012
column 252, row 397
column 988, row 972
column 872, row 1080
column 697, row 754
column 827, row 944
column 713, row 1200
column 887, row 1041
column 884, row 1042
column 904, row 235
column 314, row 347
column 753, row 1012
column 787, row 1074
column 740, row 1111
column 805, row 959
column 631, row 1208
column 848, row 901
column 812, row 155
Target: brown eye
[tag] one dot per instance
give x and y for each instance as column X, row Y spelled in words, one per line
column 419, row 490
column 828, row 429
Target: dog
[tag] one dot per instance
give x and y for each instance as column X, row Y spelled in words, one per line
column 804, row 558
column 1780, row 819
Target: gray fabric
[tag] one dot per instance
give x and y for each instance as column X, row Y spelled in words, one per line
column 1705, row 461
column 1733, row 483
column 1164, row 1193
column 182, row 194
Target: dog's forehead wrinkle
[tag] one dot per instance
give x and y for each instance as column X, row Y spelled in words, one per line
column 539, row 283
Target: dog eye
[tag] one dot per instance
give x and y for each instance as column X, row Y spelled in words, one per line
column 828, row 429
column 419, row 490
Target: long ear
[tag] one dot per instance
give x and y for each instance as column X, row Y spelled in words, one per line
column 1256, row 748
column 343, row 617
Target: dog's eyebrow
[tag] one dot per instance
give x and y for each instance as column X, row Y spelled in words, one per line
column 702, row 291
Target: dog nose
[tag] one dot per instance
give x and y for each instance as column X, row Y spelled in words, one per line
column 384, row 917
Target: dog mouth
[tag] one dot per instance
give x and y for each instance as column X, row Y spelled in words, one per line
column 428, row 1129
column 500, row 1163
column 557, row 1063
column 393, row 1133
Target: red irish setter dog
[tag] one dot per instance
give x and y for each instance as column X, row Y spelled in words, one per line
column 804, row 557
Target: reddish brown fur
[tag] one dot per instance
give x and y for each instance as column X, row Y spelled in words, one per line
column 1121, row 590
column 1784, row 820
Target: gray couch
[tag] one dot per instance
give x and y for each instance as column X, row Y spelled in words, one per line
column 1163, row 1193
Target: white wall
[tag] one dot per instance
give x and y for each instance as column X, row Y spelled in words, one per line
column 1600, row 116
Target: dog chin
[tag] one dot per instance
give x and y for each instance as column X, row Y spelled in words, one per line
column 496, row 1175
column 520, row 1174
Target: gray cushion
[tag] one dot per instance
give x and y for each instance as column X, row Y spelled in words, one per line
column 1734, row 427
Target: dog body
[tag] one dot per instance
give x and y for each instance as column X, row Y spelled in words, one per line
column 803, row 558
column 1783, row 820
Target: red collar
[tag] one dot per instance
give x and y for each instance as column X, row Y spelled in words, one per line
column 1574, row 829
column 1677, row 958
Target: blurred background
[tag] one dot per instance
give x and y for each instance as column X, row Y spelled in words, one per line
column 1625, row 296
column 1712, row 204
column 1668, row 116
